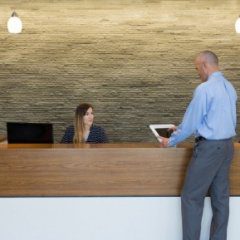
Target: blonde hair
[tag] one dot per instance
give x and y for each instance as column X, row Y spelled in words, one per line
column 79, row 127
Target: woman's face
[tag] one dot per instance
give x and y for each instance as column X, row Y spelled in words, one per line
column 88, row 117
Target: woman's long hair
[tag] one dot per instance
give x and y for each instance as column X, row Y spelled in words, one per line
column 78, row 122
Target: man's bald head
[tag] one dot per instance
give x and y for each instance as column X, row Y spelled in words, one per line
column 206, row 63
column 208, row 57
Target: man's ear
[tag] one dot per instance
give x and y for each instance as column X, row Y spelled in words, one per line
column 204, row 67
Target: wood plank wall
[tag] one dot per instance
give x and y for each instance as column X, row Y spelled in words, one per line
column 133, row 60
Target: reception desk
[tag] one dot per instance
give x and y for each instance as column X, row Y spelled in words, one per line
column 92, row 192
column 134, row 169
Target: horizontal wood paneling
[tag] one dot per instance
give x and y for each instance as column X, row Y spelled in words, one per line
column 90, row 170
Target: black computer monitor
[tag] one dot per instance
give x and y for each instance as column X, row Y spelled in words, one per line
column 29, row 132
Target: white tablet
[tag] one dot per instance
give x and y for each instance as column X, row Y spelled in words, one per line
column 161, row 130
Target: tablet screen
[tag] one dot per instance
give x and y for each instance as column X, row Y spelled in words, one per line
column 164, row 132
column 161, row 130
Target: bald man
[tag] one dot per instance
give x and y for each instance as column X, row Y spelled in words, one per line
column 211, row 117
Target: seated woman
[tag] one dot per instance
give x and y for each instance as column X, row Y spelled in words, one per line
column 83, row 130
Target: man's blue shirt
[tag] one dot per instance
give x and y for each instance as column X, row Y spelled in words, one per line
column 211, row 113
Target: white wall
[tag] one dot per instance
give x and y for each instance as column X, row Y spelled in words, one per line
column 113, row 218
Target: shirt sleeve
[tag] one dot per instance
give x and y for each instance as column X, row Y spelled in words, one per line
column 193, row 117
column 104, row 138
column 68, row 135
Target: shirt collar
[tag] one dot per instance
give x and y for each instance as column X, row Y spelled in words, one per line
column 213, row 75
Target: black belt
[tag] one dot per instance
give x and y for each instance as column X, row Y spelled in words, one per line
column 200, row 138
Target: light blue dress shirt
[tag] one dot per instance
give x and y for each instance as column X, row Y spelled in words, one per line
column 211, row 113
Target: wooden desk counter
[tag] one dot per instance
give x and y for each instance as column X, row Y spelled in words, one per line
column 131, row 169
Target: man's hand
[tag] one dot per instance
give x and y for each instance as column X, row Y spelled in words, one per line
column 172, row 129
column 164, row 142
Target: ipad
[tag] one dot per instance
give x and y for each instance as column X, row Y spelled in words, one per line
column 161, row 130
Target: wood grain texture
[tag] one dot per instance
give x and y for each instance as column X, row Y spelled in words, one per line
column 112, row 170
